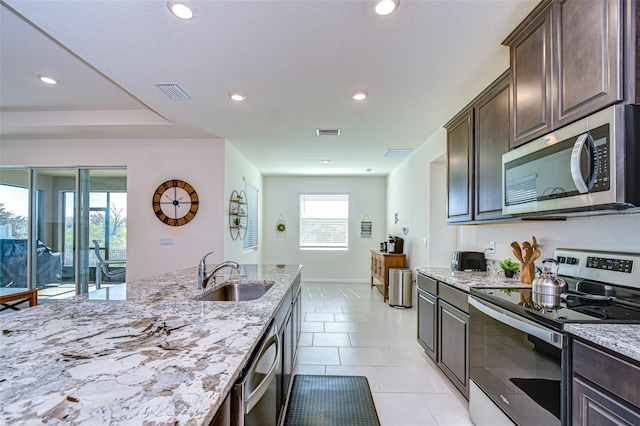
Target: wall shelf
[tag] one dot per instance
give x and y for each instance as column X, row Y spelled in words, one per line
column 238, row 215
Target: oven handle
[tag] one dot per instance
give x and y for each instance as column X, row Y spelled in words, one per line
column 519, row 323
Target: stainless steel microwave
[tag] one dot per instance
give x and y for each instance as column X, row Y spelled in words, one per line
column 591, row 164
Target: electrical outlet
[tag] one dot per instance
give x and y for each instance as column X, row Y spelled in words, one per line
column 492, row 247
column 166, row 241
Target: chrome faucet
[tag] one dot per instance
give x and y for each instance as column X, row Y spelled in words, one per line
column 204, row 277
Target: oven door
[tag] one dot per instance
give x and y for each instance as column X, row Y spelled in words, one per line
column 519, row 365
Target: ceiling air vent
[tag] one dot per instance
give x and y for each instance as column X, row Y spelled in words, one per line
column 173, row 91
column 328, row 132
column 398, row 152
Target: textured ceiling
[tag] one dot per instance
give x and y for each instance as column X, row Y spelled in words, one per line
column 298, row 62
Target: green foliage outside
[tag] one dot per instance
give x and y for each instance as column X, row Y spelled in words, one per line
column 20, row 224
column 117, row 228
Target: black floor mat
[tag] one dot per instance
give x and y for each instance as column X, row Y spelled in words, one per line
column 545, row 392
column 330, row 401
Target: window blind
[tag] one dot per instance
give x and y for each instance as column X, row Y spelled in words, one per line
column 250, row 241
column 324, row 221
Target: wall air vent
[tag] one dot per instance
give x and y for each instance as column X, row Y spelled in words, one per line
column 328, row 132
column 173, row 91
column 398, row 152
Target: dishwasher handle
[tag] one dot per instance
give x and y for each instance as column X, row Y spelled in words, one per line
column 251, row 400
column 517, row 322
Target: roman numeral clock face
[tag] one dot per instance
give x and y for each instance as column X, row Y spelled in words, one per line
column 175, row 202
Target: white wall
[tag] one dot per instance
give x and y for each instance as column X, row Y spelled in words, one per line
column 609, row 233
column 366, row 197
column 149, row 163
column 237, row 170
column 417, row 192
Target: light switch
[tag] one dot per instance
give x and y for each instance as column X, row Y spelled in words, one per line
column 166, row 241
column 424, row 242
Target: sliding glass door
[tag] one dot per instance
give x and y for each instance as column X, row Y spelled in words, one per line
column 53, row 215
column 14, row 227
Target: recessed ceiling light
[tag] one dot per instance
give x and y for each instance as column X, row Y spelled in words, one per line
column 182, row 9
column 48, row 80
column 236, row 96
column 325, row 161
column 386, row 7
column 360, row 96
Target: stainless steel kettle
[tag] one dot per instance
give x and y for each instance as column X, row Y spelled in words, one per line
column 547, row 288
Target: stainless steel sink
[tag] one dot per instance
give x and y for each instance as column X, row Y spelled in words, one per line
column 237, row 292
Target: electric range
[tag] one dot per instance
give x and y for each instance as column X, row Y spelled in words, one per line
column 520, row 366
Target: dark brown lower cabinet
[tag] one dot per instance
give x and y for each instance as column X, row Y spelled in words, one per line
column 605, row 388
column 454, row 345
column 427, row 323
column 443, row 329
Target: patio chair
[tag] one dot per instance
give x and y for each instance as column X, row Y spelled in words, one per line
column 103, row 267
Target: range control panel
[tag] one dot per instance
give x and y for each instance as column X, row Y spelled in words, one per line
column 618, row 268
column 619, row 265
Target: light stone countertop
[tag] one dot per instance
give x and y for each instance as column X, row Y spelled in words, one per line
column 157, row 357
column 621, row 338
column 464, row 280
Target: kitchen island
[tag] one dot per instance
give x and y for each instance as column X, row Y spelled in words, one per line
column 157, row 357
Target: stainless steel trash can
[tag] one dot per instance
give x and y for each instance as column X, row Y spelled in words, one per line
column 400, row 289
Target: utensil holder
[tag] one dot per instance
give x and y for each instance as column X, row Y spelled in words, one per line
column 527, row 273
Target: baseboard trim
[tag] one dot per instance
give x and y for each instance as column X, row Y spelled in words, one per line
column 336, row 280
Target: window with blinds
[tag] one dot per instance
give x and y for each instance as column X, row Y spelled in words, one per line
column 250, row 241
column 324, row 221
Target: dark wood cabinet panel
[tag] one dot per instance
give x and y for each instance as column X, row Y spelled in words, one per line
column 460, row 170
column 599, row 397
column 492, row 120
column 592, row 406
column 453, row 345
column 589, row 40
column 427, row 323
column 531, row 79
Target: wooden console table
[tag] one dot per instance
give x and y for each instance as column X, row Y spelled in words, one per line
column 380, row 265
column 17, row 295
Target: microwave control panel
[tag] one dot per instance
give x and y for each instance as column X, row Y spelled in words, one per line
column 600, row 136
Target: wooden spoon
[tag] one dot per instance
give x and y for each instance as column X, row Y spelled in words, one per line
column 517, row 251
column 535, row 243
column 528, row 254
column 536, row 255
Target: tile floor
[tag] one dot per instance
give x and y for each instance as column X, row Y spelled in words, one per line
column 348, row 330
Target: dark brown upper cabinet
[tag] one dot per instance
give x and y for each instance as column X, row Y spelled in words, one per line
column 492, row 131
column 531, row 78
column 476, row 139
column 566, row 63
column 460, row 167
column 589, row 39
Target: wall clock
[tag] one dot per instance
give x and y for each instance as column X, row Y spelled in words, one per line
column 175, row 202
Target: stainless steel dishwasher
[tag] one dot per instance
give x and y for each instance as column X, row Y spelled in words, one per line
column 254, row 399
